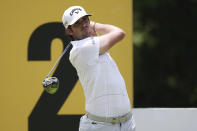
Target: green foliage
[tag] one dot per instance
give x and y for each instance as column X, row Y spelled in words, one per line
column 165, row 56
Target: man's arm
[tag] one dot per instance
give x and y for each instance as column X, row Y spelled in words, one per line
column 110, row 35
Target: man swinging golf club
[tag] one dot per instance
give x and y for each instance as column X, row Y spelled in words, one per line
column 107, row 103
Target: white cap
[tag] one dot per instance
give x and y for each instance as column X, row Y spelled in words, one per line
column 72, row 14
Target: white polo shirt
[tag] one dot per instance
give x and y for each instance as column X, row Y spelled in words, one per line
column 104, row 86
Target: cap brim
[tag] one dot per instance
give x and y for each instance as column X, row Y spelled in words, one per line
column 75, row 20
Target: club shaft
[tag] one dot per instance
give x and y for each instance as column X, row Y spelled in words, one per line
column 65, row 50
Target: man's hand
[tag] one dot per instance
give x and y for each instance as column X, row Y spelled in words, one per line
column 92, row 28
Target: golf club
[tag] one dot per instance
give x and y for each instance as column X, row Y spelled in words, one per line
column 51, row 84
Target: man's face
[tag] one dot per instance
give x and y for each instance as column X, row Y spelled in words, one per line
column 81, row 28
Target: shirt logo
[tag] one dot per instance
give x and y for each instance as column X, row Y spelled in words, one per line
column 76, row 10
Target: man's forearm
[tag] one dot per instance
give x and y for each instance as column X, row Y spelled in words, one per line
column 104, row 28
column 110, row 35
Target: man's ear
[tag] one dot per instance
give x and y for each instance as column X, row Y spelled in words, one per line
column 69, row 32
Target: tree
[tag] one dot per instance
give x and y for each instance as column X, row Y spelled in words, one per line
column 165, row 56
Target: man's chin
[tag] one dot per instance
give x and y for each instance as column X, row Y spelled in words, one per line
column 85, row 36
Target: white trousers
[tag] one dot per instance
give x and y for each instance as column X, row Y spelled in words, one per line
column 87, row 124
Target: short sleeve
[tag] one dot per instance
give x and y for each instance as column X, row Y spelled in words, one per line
column 85, row 52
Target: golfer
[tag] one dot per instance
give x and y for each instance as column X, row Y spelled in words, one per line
column 106, row 100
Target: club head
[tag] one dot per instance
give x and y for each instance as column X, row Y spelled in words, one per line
column 51, row 84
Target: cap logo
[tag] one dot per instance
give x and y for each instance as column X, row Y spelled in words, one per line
column 76, row 10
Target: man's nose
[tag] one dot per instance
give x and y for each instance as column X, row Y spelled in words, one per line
column 85, row 23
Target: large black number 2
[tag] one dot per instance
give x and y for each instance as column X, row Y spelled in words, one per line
column 44, row 115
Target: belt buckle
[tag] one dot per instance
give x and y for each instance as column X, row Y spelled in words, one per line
column 114, row 120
